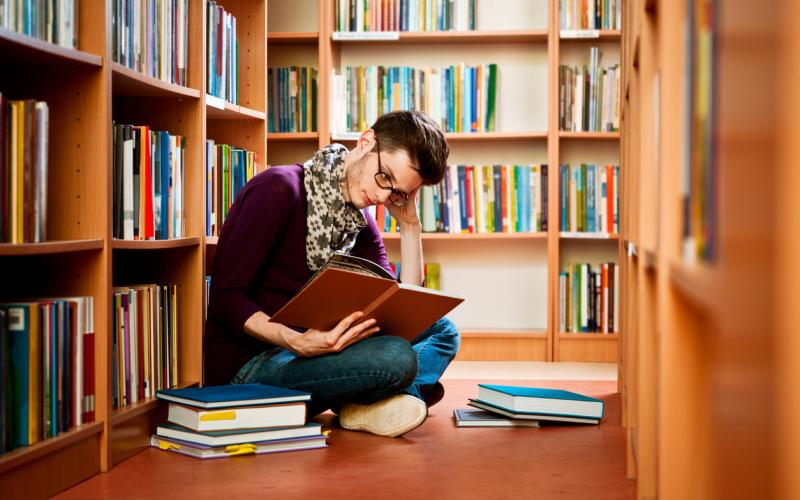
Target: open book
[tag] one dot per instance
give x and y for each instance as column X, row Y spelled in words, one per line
column 346, row 284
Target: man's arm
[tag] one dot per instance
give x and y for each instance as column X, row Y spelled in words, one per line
column 411, row 259
column 311, row 342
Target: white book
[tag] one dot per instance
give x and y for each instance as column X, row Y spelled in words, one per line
column 42, row 145
column 584, row 291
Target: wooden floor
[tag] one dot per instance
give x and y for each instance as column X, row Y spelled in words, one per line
column 436, row 460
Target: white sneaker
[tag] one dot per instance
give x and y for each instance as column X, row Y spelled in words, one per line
column 391, row 417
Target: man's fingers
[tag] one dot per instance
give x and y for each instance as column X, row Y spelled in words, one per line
column 344, row 324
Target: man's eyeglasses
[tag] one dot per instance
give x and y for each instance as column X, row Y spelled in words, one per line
column 384, row 181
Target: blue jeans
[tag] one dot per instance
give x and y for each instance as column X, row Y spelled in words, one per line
column 365, row 372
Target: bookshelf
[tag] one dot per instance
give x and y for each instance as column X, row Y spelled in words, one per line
column 709, row 346
column 87, row 91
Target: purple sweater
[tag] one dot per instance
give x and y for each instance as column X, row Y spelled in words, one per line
column 260, row 263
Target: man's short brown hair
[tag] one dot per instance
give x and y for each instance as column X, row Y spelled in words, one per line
column 418, row 135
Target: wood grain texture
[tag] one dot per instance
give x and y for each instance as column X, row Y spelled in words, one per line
column 552, row 461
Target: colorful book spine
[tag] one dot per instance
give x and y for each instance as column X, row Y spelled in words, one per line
column 455, row 96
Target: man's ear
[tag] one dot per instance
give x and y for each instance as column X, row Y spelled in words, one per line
column 365, row 142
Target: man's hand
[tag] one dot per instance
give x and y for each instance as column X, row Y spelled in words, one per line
column 317, row 342
column 407, row 214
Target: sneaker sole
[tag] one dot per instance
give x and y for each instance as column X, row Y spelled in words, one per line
column 390, row 417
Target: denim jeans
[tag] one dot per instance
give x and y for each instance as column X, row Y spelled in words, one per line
column 365, row 372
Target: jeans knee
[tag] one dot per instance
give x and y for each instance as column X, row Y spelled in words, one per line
column 398, row 361
column 448, row 333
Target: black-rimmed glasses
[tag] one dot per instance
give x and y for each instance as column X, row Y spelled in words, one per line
column 384, row 181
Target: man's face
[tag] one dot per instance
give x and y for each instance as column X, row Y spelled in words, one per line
column 370, row 179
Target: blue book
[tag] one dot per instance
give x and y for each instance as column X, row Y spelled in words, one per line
column 541, row 401
column 227, row 396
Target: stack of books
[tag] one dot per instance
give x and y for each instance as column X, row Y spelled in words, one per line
column 515, row 406
column 236, row 419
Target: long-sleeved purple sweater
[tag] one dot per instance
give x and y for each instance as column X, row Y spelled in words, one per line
column 260, row 263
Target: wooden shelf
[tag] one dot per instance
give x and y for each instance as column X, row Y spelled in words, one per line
column 128, row 82
column 699, row 284
column 589, row 136
column 21, row 456
column 122, row 415
column 189, row 241
column 462, row 136
column 587, row 36
column 436, row 37
column 572, row 235
column 292, row 37
column 473, row 236
column 588, row 336
column 219, row 109
column 23, row 48
column 50, row 247
column 505, row 334
column 292, row 136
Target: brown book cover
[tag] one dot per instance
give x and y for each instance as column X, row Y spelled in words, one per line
column 346, row 284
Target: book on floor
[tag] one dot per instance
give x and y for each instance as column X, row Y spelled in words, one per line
column 257, row 448
column 468, row 417
column 238, row 436
column 321, row 303
column 243, row 417
column 529, row 415
column 232, row 395
column 554, row 402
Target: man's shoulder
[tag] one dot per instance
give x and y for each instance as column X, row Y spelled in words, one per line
column 280, row 178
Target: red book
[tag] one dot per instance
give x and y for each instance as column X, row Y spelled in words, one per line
column 147, row 173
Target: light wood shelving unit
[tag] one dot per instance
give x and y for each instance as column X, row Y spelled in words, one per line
column 709, row 350
column 86, row 91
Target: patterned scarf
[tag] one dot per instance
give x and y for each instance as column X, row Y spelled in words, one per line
column 332, row 224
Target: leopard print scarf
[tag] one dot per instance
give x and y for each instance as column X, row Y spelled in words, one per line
column 331, row 222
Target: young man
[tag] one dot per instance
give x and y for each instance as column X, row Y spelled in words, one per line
column 282, row 227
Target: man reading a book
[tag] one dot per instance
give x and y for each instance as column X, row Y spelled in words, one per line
column 282, row 227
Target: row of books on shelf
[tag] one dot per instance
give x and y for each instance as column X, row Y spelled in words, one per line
column 292, row 97
column 482, row 199
column 589, row 298
column 236, row 419
column 24, row 136
column 519, row 406
column 47, row 368
column 589, row 198
column 461, row 98
column 54, row 21
column 151, row 37
column 590, row 14
column 403, row 15
column 228, row 169
column 148, row 191
column 144, row 342
column 222, row 53
column 589, row 96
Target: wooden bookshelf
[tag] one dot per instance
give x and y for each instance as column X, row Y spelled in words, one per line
column 709, row 349
column 431, row 37
column 188, row 241
column 292, row 136
column 293, row 38
column 87, row 91
column 24, row 48
column 50, row 247
column 472, row 236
